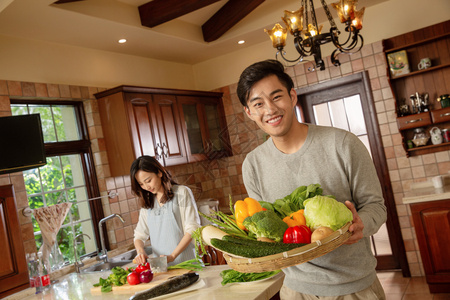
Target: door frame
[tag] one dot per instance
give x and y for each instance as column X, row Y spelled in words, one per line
column 347, row 87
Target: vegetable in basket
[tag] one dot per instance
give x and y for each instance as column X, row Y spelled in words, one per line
column 297, row 234
column 245, row 208
column 266, row 224
column 295, row 219
column 326, row 211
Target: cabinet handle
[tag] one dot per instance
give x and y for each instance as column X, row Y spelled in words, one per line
column 414, row 121
column 166, row 151
column 445, row 115
column 158, row 151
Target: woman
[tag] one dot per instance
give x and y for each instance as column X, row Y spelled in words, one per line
column 168, row 212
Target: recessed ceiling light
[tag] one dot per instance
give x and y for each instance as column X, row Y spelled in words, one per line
column 121, row 41
column 241, row 42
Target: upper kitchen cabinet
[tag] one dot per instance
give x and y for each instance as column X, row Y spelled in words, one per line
column 204, row 125
column 175, row 126
column 416, row 87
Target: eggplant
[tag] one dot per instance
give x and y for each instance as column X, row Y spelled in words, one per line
column 172, row 285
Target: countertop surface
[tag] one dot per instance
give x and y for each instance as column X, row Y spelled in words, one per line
column 78, row 286
column 426, row 192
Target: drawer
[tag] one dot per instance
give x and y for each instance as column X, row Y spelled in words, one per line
column 441, row 115
column 413, row 121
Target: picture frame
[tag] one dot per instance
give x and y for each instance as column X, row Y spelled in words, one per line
column 398, row 63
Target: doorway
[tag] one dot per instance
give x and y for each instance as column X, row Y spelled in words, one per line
column 347, row 103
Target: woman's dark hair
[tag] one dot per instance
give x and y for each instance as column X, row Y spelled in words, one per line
column 150, row 164
column 260, row 70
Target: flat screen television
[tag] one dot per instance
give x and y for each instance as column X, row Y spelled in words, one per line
column 21, row 143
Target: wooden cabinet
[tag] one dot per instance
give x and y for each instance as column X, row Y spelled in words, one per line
column 432, row 226
column 432, row 42
column 13, row 265
column 172, row 125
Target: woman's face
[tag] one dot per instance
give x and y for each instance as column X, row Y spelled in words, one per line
column 150, row 182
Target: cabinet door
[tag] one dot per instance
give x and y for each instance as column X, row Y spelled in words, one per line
column 169, row 130
column 143, row 125
column 432, row 225
column 194, row 127
column 13, row 266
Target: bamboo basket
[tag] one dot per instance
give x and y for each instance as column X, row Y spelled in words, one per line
column 289, row 258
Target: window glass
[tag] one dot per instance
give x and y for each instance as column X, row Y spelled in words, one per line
column 62, row 179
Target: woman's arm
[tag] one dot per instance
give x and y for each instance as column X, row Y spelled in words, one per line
column 141, row 233
column 179, row 248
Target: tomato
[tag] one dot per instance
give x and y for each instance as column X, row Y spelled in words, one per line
column 142, row 267
column 133, row 278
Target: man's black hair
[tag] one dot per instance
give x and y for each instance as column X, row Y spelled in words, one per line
column 260, row 70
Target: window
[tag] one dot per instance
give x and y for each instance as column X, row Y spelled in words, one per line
column 68, row 175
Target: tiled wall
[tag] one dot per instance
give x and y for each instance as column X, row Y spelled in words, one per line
column 222, row 177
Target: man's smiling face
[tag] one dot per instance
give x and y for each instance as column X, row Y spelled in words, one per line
column 271, row 106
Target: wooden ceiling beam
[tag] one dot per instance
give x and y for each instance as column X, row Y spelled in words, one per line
column 228, row 16
column 157, row 12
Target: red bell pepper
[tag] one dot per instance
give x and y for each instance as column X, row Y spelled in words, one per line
column 297, row 234
column 142, row 267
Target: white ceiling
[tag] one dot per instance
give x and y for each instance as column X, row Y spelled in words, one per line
column 99, row 24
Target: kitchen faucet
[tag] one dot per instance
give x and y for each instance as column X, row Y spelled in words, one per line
column 77, row 264
column 103, row 254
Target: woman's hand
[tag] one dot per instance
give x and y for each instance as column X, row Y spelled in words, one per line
column 170, row 258
column 357, row 226
column 140, row 258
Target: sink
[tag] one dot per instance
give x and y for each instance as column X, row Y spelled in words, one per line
column 116, row 261
column 130, row 255
column 106, row 266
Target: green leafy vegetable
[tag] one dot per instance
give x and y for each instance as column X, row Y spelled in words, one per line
column 118, row 277
column 267, row 224
column 326, row 211
column 294, row 201
column 229, row 276
column 192, row 264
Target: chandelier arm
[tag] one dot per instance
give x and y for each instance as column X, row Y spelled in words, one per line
column 334, row 60
column 297, row 60
column 298, row 42
column 327, row 12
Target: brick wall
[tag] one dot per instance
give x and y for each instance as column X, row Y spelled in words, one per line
column 223, row 177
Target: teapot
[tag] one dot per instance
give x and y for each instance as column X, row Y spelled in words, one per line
column 436, row 136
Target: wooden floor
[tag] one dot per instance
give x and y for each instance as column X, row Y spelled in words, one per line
column 397, row 287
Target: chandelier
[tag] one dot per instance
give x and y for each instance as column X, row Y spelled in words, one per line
column 308, row 36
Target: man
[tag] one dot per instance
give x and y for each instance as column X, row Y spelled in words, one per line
column 299, row 154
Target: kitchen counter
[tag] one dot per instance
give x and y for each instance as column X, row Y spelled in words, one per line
column 78, row 286
column 426, row 192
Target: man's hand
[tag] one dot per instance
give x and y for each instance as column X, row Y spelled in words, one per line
column 357, row 227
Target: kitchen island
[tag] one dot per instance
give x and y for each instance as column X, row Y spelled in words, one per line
column 76, row 286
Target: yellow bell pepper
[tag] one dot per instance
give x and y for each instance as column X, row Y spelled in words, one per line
column 245, row 208
column 295, row 219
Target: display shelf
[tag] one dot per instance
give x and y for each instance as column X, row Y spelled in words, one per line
column 420, row 72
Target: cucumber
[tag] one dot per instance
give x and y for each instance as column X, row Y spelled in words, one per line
column 251, row 251
column 172, row 285
column 255, row 243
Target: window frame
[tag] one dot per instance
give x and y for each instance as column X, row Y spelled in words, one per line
column 83, row 148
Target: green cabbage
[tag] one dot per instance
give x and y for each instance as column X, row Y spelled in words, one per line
column 326, row 211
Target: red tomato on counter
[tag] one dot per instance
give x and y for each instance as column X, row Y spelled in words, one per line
column 133, row 278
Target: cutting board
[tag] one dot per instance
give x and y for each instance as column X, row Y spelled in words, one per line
column 158, row 278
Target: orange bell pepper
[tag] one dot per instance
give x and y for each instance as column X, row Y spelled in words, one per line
column 245, row 208
column 295, row 219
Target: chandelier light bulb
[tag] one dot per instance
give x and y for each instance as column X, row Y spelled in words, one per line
column 308, row 41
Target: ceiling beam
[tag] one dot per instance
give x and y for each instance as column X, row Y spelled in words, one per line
column 157, row 12
column 228, row 16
